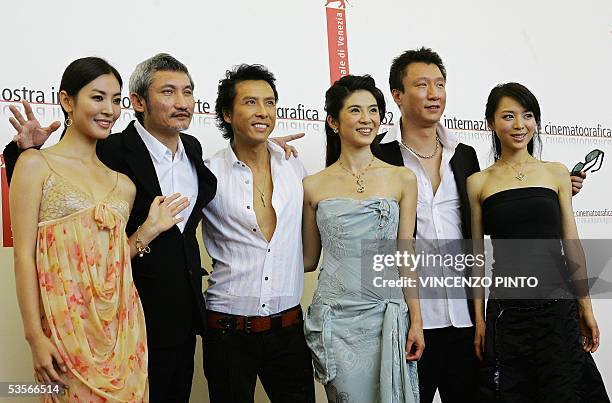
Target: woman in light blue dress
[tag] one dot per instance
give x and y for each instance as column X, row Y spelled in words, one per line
column 365, row 335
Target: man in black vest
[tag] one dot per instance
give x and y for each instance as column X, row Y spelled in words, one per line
column 159, row 159
column 441, row 164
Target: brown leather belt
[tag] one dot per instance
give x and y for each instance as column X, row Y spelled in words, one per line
column 255, row 324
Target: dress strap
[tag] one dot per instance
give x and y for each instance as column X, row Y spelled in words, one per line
column 78, row 187
column 116, row 183
column 49, row 163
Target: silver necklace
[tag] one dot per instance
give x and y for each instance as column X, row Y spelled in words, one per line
column 359, row 180
column 262, row 195
column 426, row 157
column 519, row 172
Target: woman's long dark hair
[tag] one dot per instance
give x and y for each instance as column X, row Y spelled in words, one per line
column 527, row 100
column 81, row 72
column 334, row 102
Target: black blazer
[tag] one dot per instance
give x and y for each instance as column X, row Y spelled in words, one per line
column 169, row 279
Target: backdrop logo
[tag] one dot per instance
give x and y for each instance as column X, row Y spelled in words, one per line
column 341, row 3
column 337, row 39
column 7, row 235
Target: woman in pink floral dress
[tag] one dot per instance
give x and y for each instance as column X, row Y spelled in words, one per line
column 82, row 315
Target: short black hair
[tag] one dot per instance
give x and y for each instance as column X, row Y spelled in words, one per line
column 226, row 91
column 400, row 64
column 334, row 102
column 526, row 99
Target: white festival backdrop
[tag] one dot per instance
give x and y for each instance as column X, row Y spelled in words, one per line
column 560, row 50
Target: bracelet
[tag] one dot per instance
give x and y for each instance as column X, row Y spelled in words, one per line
column 140, row 246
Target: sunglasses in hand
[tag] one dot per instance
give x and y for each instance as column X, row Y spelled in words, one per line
column 590, row 160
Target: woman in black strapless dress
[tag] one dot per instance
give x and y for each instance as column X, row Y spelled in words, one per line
column 534, row 340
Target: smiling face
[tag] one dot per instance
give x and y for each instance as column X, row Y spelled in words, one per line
column 359, row 119
column 253, row 114
column 96, row 106
column 513, row 124
column 170, row 103
column 423, row 100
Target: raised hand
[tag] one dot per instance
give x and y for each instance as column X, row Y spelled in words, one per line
column 162, row 216
column 164, row 210
column 29, row 131
column 283, row 142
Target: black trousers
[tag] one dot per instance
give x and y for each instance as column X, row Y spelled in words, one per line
column 233, row 360
column 448, row 364
column 171, row 372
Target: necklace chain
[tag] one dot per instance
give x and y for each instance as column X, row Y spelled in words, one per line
column 519, row 172
column 358, row 178
column 262, row 195
column 430, row 156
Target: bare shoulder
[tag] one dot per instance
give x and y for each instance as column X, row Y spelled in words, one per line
column 557, row 169
column 126, row 185
column 402, row 173
column 479, row 176
column 476, row 181
column 33, row 162
column 32, row 157
column 313, row 182
column 405, row 175
column 560, row 175
column 491, row 169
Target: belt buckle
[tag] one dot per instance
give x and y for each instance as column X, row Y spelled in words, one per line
column 248, row 324
column 227, row 322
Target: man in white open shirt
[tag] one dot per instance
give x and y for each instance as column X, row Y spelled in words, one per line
column 252, row 231
column 441, row 165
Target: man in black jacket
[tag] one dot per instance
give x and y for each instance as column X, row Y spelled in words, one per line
column 417, row 80
column 160, row 160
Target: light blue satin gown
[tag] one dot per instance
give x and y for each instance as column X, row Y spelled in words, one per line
column 356, row 331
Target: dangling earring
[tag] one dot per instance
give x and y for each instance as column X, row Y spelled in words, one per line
column 68, row 122
column 335, row 130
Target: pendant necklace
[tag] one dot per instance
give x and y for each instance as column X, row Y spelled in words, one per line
column 519, row 173
column 359, row 179
column 262, row 195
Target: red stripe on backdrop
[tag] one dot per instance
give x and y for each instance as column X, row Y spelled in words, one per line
column 337, row 42
column 7, row 234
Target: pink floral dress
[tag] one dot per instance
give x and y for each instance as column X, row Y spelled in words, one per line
column 92, row 311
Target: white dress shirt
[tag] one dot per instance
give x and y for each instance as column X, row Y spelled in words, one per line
column 251, row 276
column 174, row 175
column 438, row 218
